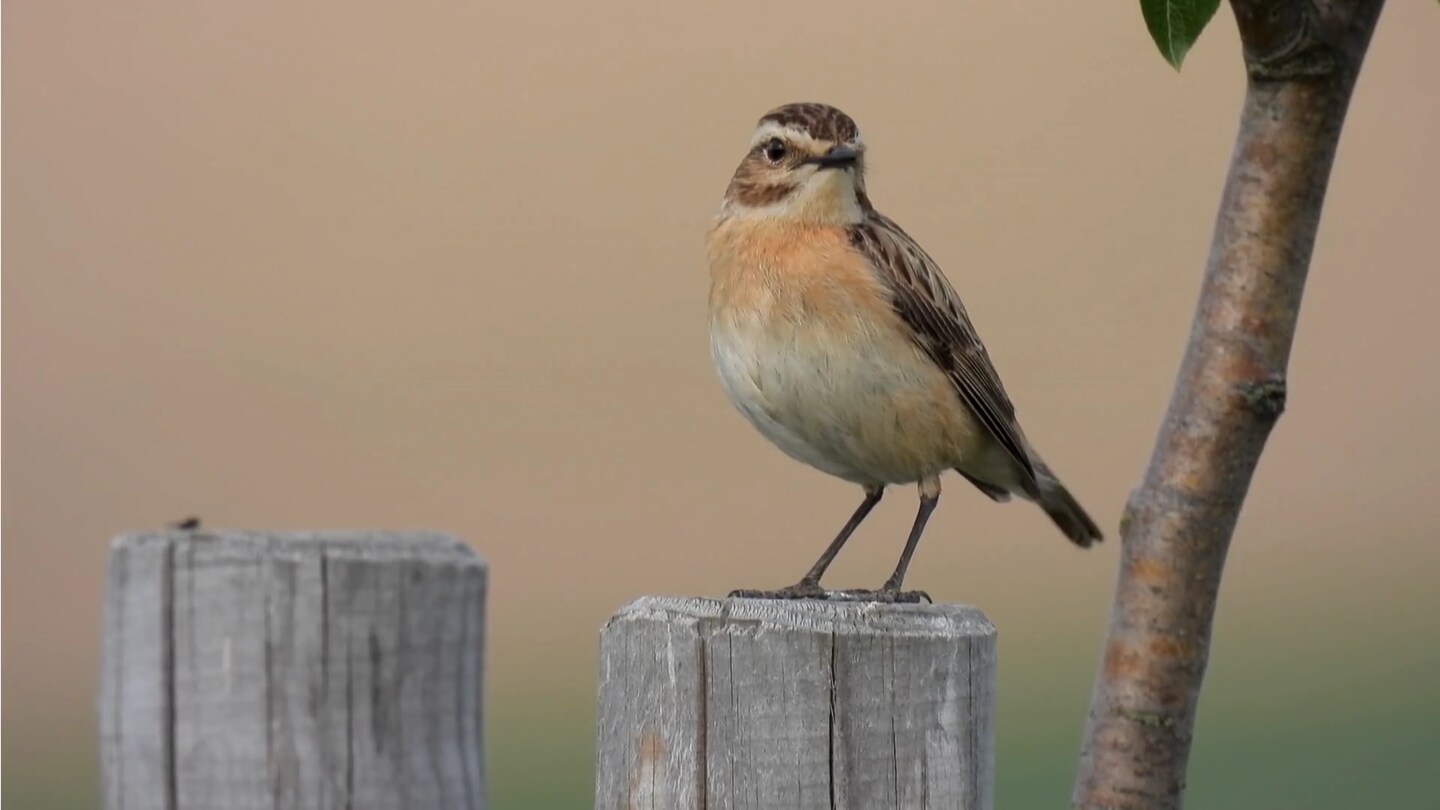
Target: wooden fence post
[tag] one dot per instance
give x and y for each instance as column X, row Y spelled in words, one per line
column 737, row 703
column 292, row 670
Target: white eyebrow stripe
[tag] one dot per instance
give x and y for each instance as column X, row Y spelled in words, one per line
column 770, row 129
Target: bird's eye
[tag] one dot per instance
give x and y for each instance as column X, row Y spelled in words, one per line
column 775, row 150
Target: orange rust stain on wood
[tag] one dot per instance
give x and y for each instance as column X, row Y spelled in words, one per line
column 647, row 768
column 651, row 748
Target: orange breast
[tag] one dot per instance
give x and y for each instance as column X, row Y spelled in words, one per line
column 801, row 273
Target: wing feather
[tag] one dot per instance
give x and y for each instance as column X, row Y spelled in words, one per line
column 924, row 299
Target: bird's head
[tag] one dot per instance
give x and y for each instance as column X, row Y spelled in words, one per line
column 806, row 163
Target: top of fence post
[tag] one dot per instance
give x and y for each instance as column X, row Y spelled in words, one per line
column 743, row 703
column 292, row 669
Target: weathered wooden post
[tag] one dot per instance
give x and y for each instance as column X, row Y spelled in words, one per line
column 737, row 703
column 292, row 670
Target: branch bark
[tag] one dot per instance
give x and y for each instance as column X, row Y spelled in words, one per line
column 1302, row 58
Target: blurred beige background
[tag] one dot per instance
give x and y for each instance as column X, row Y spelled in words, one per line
column 440, row 265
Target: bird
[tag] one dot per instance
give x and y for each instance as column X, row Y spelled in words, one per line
column 840, row 340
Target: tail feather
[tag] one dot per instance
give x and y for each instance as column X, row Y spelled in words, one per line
column 1062, row 508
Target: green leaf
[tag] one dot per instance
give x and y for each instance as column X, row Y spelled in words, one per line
column 1176, row 24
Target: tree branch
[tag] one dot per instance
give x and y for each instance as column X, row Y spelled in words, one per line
column 1302, row 60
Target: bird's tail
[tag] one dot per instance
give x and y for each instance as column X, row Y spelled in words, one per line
column 1062, row 508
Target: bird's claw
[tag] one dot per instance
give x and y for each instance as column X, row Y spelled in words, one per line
column 807, row 590
column 885, row 596
column 800, row 590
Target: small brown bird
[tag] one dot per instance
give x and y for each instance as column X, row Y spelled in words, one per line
column 841, row 341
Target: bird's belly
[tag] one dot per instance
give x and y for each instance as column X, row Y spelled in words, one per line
column 859, row 402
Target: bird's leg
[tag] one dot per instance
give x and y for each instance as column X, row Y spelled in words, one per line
column 809, row 585
column 890, row 591
column 811, row 580
column 892, row 585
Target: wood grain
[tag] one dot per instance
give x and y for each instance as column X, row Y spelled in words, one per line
column 292, row 670
column 710, row 704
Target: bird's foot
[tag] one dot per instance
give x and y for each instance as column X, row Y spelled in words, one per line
column 812, row 590
column 886, row 596
column 800, row 590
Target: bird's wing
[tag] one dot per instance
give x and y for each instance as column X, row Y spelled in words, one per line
column 924, row 299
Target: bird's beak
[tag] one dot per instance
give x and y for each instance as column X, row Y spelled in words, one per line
column 841, row 155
